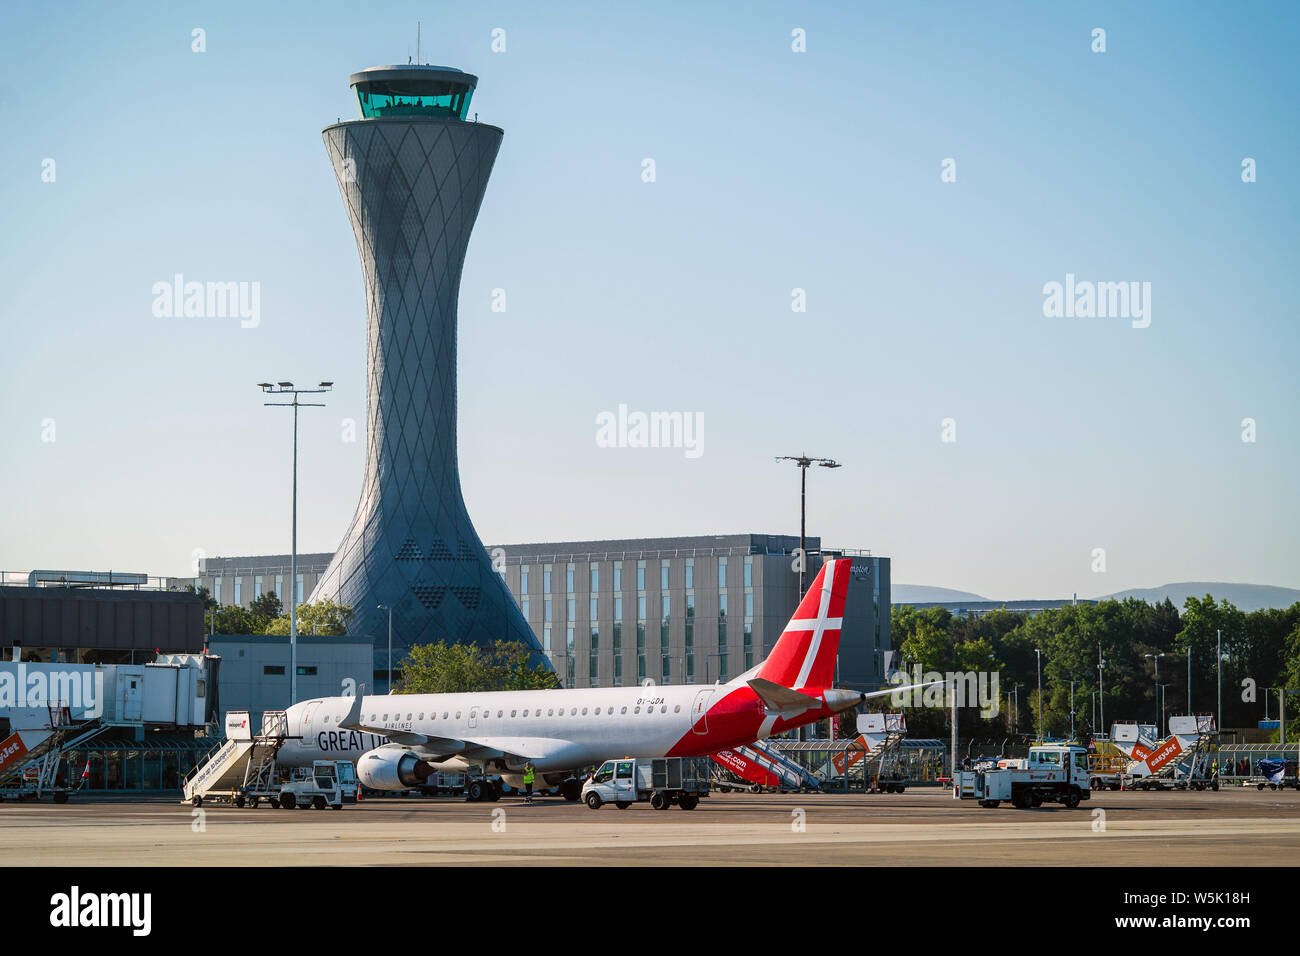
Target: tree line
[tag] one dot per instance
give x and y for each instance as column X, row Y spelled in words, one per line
column 266, row 614
column 1260, row 653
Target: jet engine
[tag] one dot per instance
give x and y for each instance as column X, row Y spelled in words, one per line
column 392, row 770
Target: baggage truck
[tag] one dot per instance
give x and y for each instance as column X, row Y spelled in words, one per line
column 1054, row 773
column 664, row 781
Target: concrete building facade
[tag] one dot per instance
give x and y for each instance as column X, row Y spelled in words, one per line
column 255, row 668
column 684, row 610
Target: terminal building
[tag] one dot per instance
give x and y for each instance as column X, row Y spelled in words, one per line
column 685, row 610
column 137, row 644
column 612, row 613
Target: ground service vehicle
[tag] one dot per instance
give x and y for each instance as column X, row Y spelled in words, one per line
column 318, row 788
column 1277, row 774
column 663, row 781
column 1053, row 773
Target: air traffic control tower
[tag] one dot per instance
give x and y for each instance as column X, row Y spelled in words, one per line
column 413, row 171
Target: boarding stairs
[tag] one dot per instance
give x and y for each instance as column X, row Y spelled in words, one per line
column 244, row 762
column 881, row 736
column 31, row 755
column 1184, row 759
column 760, row 762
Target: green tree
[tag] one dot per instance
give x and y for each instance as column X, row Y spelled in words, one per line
column 234, row 620
column 444, row 668
column 323, row 617
column 208, row 602
column 267, row 606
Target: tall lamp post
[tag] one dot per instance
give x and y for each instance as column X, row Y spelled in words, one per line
column 1038, row 651
column 1156, row 658
column 1218, row 670
column 804, row 461
column 1071, row 705
column 286, row 388
column 385, row 607
column 1101, row 687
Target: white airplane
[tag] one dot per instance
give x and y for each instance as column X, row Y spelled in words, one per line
column 399, row 740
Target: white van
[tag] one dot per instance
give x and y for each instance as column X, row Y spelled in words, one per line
column 664, row 781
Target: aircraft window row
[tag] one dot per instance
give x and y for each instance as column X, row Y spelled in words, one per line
column 573, row 712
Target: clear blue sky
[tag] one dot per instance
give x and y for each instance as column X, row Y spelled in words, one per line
column 775, row 170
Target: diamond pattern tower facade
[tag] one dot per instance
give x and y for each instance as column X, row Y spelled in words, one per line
column 413, row 172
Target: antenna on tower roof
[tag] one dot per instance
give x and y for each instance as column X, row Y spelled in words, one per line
column 417, row 41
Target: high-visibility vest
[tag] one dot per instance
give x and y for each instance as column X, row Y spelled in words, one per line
column 528, row 775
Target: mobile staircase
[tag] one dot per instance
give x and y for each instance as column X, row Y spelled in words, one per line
column 33, row 753
column 1182, row 761
column 762, row 766
column 242, row 769
column 880, row 765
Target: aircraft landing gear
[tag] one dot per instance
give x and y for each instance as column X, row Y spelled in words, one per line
column 571, row 790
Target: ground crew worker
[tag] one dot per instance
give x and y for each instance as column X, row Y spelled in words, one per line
column 528, row 782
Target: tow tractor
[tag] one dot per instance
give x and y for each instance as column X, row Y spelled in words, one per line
column 1053, row 773
column 318, row 788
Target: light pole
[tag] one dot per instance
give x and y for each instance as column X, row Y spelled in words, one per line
column 1101, row 686
column 1071, row 705
column 803, row 461
column 286, row 388
column 1162, row 694
column 1156, row 658
column 1218, row 670
column 385, row 607
column 1039, row 652
column 1189, row 680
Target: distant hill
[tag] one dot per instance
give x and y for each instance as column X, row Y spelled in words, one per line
column 924, row 594
column 1246, row 597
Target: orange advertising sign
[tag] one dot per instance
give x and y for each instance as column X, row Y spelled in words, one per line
column 12, row 750
column 1166, row 752
column 853, row 756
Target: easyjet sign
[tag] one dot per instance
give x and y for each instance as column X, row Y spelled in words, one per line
column 12, row 750
column 850, row 757
column 1166, row 752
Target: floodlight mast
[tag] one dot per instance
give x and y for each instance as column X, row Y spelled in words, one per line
column 287, row 388
column 804, row 462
